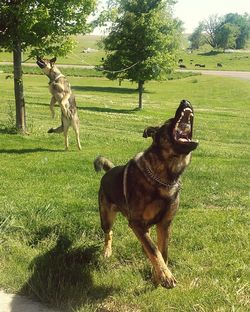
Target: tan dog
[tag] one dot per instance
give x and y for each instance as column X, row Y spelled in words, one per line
column 61, row 92
column 146, row 189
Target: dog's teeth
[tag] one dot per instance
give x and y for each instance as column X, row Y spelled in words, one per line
column 187, row 109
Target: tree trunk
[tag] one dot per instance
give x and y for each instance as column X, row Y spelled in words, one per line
column 140, row 90
column 18, row 87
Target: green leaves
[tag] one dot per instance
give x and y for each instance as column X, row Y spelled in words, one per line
column 143, row 33
column 44, row 24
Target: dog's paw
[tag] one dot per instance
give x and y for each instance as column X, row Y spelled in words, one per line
column 165, row 278
column 107, row 252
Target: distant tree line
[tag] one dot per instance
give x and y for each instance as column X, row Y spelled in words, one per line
column 230, row 31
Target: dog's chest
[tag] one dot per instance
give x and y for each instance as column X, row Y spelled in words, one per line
column 169, row 192
column 158, row 207
column 59, row 86
column 156, row 211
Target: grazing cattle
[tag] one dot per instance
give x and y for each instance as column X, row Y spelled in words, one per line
column 200, row 65
column 180, row 61
column 219, row 65
column 182, row 66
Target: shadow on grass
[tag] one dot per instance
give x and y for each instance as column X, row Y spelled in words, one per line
column 62, row 277
column 28, row 150
column 7, row 129
column 108, row 110
column 211, row 53
column 120, row 90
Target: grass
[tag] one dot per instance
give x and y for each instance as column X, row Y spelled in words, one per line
column 81, row 72
column 50, row 236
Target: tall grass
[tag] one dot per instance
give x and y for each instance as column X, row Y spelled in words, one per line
column 51, row 242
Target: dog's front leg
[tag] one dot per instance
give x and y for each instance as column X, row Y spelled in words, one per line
column 163, row 233
column 163, row 229
column 65, row 105
column 52, row 106
column 162, row 273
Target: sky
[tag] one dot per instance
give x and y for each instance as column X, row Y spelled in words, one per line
column 191, row 12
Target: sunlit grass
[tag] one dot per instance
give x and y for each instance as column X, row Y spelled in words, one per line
column 50, row 237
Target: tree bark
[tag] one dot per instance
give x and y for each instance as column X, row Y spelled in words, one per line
column 140, row 90
column 18, row 87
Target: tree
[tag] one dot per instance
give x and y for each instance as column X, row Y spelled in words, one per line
column 226, row 36
column 43, row 27
column 211, row 27
column 142, row 42
column 229, row 31
column 242, row 22
column 197, row 37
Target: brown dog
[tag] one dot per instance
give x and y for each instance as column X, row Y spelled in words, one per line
column 146, row 189
column 61, row 92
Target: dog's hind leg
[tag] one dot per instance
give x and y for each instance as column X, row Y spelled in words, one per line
column 66, row 125
column 75, row 125
column 56, row 130
column 107, row 215
column 52, row 106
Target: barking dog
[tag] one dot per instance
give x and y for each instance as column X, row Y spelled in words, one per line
column 146, row 189
column 61, row 92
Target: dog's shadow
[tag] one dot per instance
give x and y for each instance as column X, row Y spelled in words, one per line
column 62, row 277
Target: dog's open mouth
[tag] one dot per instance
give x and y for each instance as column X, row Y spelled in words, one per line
column 182, row 131
column 183, row 127
column 40, row 62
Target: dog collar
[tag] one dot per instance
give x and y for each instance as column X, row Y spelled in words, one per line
column 159, row 181
column 57, row 77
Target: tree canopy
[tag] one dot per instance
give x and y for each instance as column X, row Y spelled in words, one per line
column 143, row 40
column 43, row 26
column 229, row 31
column 197, row 38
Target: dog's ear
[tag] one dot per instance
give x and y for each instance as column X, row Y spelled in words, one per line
column 150, row 132
column 52, row 61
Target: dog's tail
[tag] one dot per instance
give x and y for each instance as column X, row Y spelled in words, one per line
column 102, row 163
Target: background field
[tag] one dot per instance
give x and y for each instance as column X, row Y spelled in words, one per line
column 50, row 238
column 230, row 61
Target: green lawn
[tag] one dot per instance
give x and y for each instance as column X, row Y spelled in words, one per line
column 50, row 237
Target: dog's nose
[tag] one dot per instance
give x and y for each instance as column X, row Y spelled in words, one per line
column 185, row 103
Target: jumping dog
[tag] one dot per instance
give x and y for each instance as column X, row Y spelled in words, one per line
column 146, row 189
column 61, row 92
